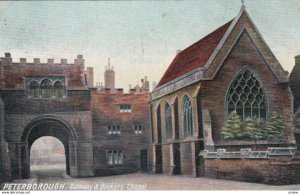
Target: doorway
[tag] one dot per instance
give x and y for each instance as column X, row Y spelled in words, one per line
column 144, row 160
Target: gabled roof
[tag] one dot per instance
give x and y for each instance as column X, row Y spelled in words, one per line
column 195, row 55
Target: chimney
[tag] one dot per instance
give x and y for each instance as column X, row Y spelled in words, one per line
column 7, row 55
column 36, row 61
column 109, row 76
column 90, row 77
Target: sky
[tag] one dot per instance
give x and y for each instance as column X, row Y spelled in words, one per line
column 140, row 37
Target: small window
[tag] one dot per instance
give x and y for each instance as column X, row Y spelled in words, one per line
column 125, row 108
column 115, row 157
column 114, row 129
column 138, row 128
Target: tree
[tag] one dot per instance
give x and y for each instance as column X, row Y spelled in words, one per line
column 250, row 129
column 232, row 128
column 275, row 128
column 261, row 132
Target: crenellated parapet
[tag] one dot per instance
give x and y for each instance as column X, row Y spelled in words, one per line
column 13, row 74
column 37, row 61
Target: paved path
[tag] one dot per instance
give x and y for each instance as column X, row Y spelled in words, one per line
column 145, row 181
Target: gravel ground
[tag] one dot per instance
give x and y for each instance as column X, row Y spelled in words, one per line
column 141, row 181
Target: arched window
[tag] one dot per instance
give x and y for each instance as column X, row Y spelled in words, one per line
column 246, row 96
column 187, row 116
column 46, row 88
column 58, row 89
column 34, row 89
column 168, row 120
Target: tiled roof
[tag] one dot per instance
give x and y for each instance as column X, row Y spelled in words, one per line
column 194, row 56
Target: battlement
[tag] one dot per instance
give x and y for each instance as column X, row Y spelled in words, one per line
column 37, row 61
column 14, row 72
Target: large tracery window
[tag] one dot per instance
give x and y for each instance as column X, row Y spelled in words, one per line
column 246, row 96
column 168, row 120
column 46, row 88
column 34, row 89
column 187, row 116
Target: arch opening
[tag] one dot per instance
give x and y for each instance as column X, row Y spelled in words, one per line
column 47, row 157
column 45, row 126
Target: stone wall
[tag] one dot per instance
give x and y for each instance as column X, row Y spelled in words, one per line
column 270, row 171
column 276, row 165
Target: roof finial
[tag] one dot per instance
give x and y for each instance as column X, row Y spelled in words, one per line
column 243, row 3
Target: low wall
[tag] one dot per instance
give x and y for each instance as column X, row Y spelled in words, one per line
column 270, row 171
column 276, row 165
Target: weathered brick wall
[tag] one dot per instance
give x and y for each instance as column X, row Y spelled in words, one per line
column 271, row 171
column 105, row 108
